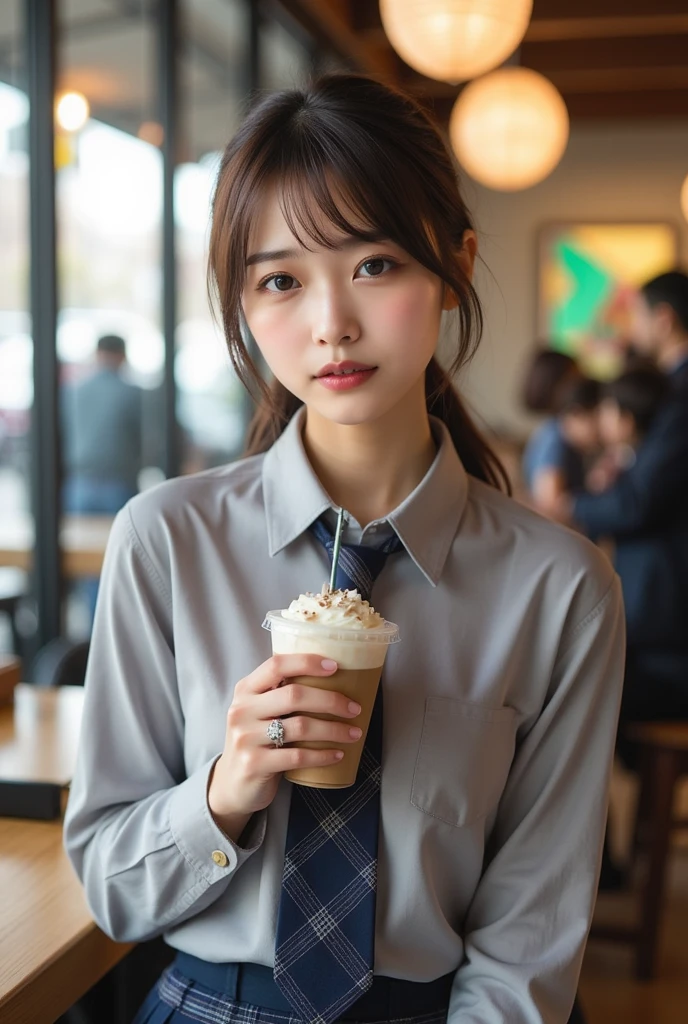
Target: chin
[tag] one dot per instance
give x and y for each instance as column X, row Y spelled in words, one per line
column 350, row 410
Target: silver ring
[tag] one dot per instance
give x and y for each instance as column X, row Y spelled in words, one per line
column 275, row 731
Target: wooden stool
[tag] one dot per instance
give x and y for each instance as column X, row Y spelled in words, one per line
column 664, row 759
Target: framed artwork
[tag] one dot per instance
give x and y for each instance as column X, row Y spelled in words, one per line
column 588, row 275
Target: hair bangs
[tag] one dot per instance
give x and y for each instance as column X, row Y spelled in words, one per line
column 327, row 190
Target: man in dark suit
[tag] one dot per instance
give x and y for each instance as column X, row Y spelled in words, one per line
column 646, row 514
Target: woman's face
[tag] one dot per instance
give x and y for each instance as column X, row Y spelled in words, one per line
column 366, row 307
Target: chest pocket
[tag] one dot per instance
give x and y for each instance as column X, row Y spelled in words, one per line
column 463, row 761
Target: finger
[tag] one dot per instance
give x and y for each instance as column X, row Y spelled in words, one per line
column 279, row 667
column 296, row 698
column 301, row 728
column 288, row 758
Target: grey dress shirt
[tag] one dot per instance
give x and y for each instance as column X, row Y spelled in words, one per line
column 501, row 704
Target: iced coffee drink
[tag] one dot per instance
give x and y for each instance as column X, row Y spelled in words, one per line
column 339, row 625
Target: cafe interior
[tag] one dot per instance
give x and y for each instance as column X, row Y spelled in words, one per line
column 568, row 123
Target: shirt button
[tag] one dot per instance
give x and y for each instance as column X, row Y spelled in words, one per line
column 220, row 858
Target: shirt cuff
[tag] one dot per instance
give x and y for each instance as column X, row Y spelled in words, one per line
column 204, row 846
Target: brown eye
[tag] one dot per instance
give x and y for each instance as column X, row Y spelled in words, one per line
column 374, row 268
column 281, row 282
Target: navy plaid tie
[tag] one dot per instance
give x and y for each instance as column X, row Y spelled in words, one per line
column 325, row 940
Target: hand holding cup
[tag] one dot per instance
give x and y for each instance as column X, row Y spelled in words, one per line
column 246, row 776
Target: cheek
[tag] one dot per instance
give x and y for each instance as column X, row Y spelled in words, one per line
column 408, row 315
column 274, row 333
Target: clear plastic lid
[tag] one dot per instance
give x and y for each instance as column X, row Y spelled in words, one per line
column 387, row 633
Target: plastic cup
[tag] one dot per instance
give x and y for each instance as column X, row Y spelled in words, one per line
column 360, row 655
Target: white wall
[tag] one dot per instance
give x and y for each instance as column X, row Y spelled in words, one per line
column 632, row 172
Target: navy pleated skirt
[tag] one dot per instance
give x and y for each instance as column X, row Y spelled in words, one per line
column 176, row 999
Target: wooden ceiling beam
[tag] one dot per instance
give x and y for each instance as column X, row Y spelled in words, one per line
column 592, row 9
column 544, row 30
column 568, row 19
column 572, row 30
column 619, row 80
column 573, row 54
column 624, row 106
column 574, row 80
column 609, row 58
column 672, row 103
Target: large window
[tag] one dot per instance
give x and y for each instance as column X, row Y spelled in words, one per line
column 113, row 73
column 109, row 221
column 211, row 406
column 16, row 347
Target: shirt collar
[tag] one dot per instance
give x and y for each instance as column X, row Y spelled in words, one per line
column 425, row 522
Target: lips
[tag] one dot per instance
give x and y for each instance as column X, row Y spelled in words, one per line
column 341, row 369
column 345, row 376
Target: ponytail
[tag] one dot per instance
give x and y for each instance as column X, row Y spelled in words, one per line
column 278, row 406
column 443, row 401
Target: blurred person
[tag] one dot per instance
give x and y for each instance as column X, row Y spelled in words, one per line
column 556, row 464
column 645, row 513
column 627, row 409
column 102, row 439
column 661, row 326
column 545, row 373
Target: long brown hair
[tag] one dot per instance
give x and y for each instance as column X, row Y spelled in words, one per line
column 378, row 150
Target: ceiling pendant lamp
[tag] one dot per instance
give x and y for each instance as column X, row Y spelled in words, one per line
column 510, row 129
column 454, row 40
column 72, row 111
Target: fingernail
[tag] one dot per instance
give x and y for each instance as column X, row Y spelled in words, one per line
column 339, row 754
column 354, row 708
column 355, row 733
column 328, row 664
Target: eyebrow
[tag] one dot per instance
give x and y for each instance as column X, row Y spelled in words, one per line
column 351, row 242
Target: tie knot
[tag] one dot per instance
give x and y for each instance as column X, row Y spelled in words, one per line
column 359, row 565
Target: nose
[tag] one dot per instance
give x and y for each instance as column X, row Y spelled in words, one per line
column 334, row 321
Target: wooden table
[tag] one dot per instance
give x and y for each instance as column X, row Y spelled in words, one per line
column 83, row 540
column 51, row 950
column 10, row 674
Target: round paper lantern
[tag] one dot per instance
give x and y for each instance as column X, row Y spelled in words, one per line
column 684, row 198
column 454, row 40
column 509, row 129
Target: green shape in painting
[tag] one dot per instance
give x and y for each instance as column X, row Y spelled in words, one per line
column 591, row 284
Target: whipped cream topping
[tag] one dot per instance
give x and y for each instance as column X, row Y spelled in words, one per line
column 344, row 608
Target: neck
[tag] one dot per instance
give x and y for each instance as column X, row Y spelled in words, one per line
column 673, row 352
column 370, row 468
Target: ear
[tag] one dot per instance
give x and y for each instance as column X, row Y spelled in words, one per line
column 469, row 250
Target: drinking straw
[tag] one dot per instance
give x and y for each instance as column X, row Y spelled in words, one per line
column 337, row 546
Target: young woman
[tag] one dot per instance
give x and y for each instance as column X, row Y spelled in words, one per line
column 339, row 237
